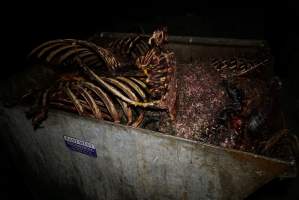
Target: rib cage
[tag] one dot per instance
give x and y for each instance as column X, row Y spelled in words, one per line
column 130, row 47
column 87, row 99
column 61, row 51
column 53, row 48
column 237, row 66
column 159, row 68
column 116, row 98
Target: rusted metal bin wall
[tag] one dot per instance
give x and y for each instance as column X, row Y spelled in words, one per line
column 135, row 163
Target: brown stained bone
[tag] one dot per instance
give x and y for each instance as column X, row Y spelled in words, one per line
column 139, row 82
column 113, row 90
column 131, row 47
column 159, row 67
column 139, row 119
column 105, row 98
column 69, row 48
column 86, row 99
column 90, row 100
column 127, row 111
column 122, row 87
column 238, row 66
column 159, row 37
column 58, row 51
column 63, row 100
column 72, row 109
column 74, row 99
column 133, row 85
column 169, row 100
column 83, row 52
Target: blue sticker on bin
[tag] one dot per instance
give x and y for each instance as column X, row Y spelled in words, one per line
column 80, row 146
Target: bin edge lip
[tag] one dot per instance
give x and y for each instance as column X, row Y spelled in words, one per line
column 221, row 41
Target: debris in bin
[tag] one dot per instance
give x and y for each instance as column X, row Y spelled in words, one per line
column 116, row 96
column 135, row 81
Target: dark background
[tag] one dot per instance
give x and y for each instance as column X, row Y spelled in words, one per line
column 25, row 26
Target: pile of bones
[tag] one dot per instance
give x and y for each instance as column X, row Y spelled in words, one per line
column 136, row 81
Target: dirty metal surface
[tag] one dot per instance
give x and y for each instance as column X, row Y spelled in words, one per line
column 130, row 164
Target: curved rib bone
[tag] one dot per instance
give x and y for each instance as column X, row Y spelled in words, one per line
column 58, row 51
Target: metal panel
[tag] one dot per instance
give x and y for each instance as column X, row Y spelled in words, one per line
column 131, row 164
